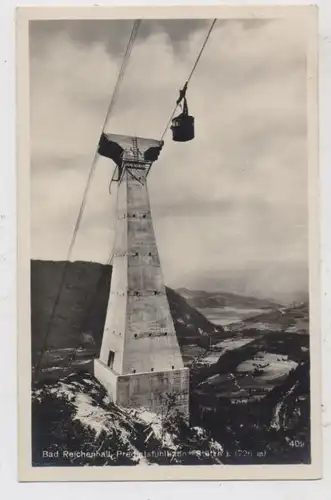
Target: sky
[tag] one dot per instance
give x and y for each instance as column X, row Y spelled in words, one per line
column 230, row 207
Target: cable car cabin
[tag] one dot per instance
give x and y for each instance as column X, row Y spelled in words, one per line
column 183, row 126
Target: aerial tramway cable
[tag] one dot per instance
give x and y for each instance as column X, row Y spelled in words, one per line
column 72, row 356
column 110, row 109
column 120, row 77
column 103, row 276
column 190, row 75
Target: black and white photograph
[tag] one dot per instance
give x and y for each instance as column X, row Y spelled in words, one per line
column 168, row 221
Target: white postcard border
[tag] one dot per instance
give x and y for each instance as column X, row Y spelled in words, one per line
column 160, row 473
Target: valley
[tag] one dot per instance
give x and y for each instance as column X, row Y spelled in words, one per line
column 249, row 379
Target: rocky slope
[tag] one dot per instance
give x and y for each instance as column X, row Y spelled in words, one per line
column 286, row 402
column 74, row 423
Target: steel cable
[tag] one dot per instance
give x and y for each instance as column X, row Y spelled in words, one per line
column 190, row 75
column 112, row 103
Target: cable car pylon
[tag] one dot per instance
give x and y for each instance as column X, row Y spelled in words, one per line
column 183, row 130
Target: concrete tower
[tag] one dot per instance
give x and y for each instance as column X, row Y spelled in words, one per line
column 140, row 363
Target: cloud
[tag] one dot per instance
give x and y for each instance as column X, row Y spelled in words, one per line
column 230, row 203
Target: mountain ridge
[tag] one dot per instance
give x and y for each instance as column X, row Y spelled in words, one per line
column 81, row 310
column 217, row 298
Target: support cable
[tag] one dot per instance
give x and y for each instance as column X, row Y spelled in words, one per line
column 120, row 77
column 190, row 75
column 103, row 275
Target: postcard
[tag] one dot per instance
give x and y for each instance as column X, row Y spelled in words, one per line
column 168, row 243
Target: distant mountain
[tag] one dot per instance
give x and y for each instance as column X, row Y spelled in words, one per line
column 204, row 299
column 83, row 304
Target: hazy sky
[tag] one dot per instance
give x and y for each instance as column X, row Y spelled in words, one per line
column 229, row 208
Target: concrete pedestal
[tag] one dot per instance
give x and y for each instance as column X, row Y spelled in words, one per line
column 149, row 390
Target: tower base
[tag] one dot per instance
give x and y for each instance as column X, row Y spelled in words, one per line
column 158, row 392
